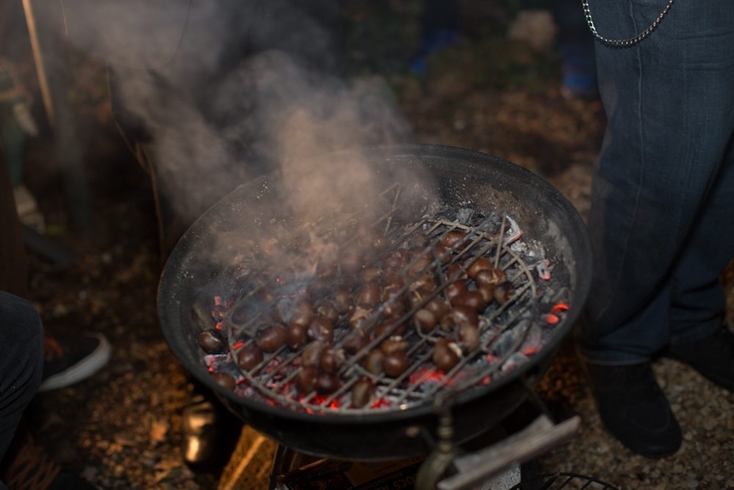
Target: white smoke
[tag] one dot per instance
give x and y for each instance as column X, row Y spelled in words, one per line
column 232, row 89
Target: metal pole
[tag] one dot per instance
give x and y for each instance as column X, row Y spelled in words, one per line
column 38, row 59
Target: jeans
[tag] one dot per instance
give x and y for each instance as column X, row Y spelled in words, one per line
column 21, row 362
column 662, row 215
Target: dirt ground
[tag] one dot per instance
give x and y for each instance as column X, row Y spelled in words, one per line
column 121, row 428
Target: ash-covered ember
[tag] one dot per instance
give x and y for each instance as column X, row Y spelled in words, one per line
column 385, row 319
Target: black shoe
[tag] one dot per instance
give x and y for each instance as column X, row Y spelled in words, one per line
column 68, row 360
column 713, row 357
column 210, row 433
column 634, row 408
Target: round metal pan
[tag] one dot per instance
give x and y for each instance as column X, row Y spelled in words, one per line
column 460, row 176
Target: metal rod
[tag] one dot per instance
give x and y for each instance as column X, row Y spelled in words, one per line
column 38, row 60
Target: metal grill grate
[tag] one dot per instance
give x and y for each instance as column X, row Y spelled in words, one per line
column 508, row 333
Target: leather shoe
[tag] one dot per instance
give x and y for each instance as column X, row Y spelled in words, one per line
column 713, row 357
column 634, row 408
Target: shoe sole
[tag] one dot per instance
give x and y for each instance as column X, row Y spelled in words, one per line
column 83, row 370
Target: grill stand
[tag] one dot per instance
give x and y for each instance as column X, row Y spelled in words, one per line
column 466, row 469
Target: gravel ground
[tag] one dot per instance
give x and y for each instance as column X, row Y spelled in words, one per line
column 121, row 428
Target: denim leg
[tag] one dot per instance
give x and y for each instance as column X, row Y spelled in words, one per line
column 670, row 106
column 21, row 362
column 699, row 301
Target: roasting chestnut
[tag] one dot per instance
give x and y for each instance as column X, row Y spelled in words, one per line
column 370, row 274
column 455, row 272
column 326, row 383
column 391, row 282
column 330, row 360
column 446, row 354
column 479, row 265
column 420, row 267
column 424, row 281
column 306, row 380
column 212, row 342
column 249, row 356
column 272, row 338
column 438, row 307
column 473, row 299
column 327, row 309
column 241, row 314
column 311, row 354
column 395, row 363
column 490, row 278
column 369, row 295
column 468, row 337
column 360, row 318
column 442, row 253
column 504, row 292
column 455, row 291
column 362, row 392
column 320, row 329
column 301, row 313
column 224, row 380
column 417, row 297
column 393, row 344
column 391, row 326
column 459, row 315
column 355, row 341
column 342, row 300
column 425, row 320
column 451, row 238
column 373, row 361
column 296, row 336
column 394, row 308
column 487, row 294
column 280, row 309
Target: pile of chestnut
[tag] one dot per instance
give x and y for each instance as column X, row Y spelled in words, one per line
column 425, row 289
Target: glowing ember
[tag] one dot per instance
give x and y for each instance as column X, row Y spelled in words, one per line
column 530, row 350
column 426, row 374
column 551, row 319
column 559, row 308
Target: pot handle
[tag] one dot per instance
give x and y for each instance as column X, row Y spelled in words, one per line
column 535, row 439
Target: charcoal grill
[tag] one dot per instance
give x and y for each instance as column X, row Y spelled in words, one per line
column 505, row 212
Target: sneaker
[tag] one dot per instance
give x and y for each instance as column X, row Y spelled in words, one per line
column 30, row 468
column 634, row 408
column 68, row 360
column 713, row 357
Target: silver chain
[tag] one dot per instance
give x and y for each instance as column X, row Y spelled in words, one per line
column 631, row 40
